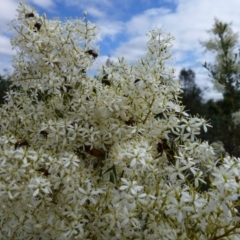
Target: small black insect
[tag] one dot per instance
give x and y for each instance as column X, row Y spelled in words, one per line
column 169, row 148
column 94, row 151
column 44, row 133
column 137, row 80
column 93, row 53
column 37, row 26
column 105, row 80
column 20, row 143
column 29, row 15
column 130, row 122
column 44, row 171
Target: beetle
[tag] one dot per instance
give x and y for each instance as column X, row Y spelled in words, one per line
column 37, row 26
column 20, row 143
column 44, row 171
column 93, row 53
column 29, row 15
column 167, row 146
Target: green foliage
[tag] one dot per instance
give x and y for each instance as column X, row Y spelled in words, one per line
column 225, row 74
column 225, row 70
column 224, row 129
column 4, row 85
column 192, row 94
column 217, row 112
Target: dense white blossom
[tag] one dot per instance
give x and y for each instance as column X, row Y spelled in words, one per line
column 112, row 157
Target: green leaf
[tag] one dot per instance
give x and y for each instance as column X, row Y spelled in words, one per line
column 114, row 171
column 112, row 178
column 58, row 113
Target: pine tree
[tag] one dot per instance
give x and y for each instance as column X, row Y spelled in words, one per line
column 225, row 73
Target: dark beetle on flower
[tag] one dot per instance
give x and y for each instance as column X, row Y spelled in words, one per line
column 130, row 122
column 105, row 80
column 43, row 171
column 170, row 149
column 20, row 143
column 137, row 80
column 44, row 133
column 93, row 53
column 29, row 15
column 37, row 26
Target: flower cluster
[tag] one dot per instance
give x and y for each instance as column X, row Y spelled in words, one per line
column 113, row 157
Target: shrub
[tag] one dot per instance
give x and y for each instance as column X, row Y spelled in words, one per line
column 81, row 159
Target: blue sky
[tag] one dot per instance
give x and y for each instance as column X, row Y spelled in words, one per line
column 125, row 23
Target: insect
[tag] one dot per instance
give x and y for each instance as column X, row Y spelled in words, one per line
column 20, row 143
column 97, row 153
column 160, row 149
column 44, row 171
column 169, row 147
column 94, row 151
column 93, row 53
column 130, row 122
column 137, row 80
column 29, row 15
column 37, row 26
column 105, row 80
column 237, row 179
column 44, row 133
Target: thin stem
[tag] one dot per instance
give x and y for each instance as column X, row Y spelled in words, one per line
column 226, row 233
column 149, row 111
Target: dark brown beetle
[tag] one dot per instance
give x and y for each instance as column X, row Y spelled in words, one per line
column 93, row 53
column 137, row 80
column 29, row 15
column 37, row 26
column 44, row 133
column 105, row 80
column 165, row 146
column 94, row 151
column 44, row 171
column 20, row 143
column 130, row 122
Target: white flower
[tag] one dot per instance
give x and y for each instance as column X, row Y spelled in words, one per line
column 89, row 194
column 130, row 186
column 94, row 167
column 177, row 171
column 179, row 207
column 40, row 185
column 11, row 189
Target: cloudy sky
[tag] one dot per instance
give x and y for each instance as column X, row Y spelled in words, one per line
column 124, row 24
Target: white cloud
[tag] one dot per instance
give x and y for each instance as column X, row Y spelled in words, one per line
column 97, row 6
column 101, row 60
column 110, row 28
column 132, row 49
column 102, row 11
column 5, row 46
column 43, row 3
column 7, row 13
column 92, row 11
column 8, row 9
column 88, row 2
column 188, row 24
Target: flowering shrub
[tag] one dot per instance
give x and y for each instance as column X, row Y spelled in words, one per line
column 113, row 159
